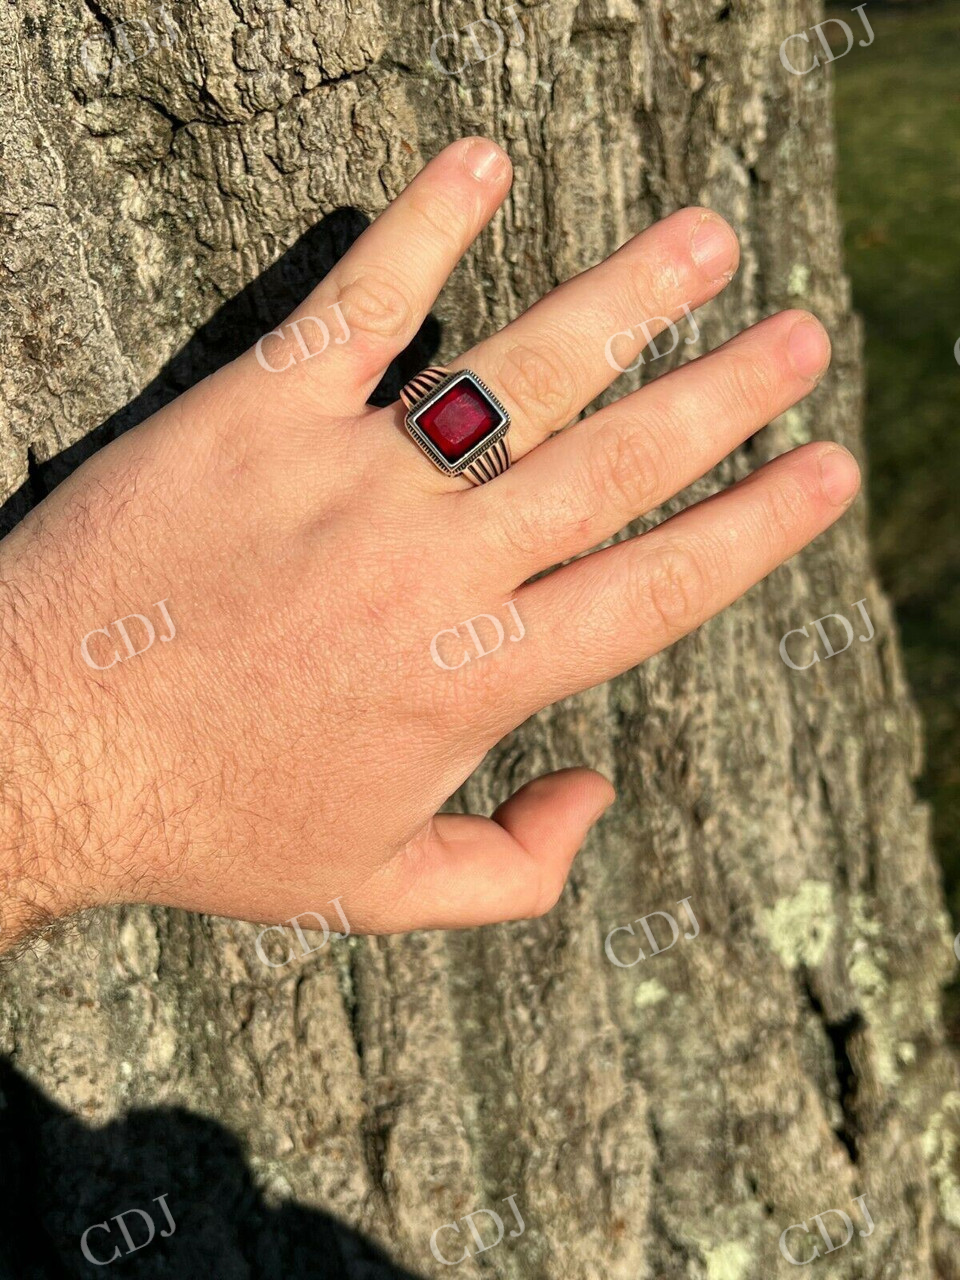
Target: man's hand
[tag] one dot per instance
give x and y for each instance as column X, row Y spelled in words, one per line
column 294, row 738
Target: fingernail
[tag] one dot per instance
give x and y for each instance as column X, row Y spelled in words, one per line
column 839, row 476
column 713, row 247
column 809, row 348
column 483, row 159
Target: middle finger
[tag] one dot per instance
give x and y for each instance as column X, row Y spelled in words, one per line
column 587, row 483
column 551, row 362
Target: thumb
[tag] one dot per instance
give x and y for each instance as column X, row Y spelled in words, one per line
column 462, row 870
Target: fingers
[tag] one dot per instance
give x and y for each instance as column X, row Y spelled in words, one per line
column 466, row 871
column 551, row 362
column 380, row 292
column 611, row 610
column 579, row 488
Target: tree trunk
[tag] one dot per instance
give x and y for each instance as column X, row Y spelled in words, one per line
column 666, row 1120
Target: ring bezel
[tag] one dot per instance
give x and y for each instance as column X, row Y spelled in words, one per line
column 476, row 450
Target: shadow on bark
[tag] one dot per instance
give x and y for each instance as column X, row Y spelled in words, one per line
column 259, row 307
column 59, row 1177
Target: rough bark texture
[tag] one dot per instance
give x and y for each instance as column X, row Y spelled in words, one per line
column 667, row 1120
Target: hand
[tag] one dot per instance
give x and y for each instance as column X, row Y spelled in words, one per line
column 294, row 739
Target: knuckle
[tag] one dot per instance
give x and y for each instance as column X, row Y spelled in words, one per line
column 654, row 286
column 785, row 508
column 534, row 378
column 523, row 526
column 674, row 590
column 469, row 700
column 442, row 219
column 377, row 306
column 748, row 386
column 550, row 525
column 629, row 466
column 656, row 278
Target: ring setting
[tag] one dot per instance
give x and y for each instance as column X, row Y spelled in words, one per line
column 458, row 423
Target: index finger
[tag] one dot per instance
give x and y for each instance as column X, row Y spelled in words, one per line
column 377, row 296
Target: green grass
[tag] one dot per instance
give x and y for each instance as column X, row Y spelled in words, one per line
column 898, row 126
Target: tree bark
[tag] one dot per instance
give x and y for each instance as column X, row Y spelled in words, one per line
column 667, row 1120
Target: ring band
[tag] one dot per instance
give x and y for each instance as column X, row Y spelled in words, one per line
column 458, row 423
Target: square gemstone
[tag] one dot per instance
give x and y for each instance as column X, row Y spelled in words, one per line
column 458, row 420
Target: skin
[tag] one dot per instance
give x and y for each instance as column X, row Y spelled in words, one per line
column 295, row 740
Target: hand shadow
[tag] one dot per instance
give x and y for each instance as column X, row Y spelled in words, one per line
column 261, row 306
column 59, row 1176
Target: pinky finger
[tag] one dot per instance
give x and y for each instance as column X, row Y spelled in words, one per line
column 463, row 871
column 613, row 609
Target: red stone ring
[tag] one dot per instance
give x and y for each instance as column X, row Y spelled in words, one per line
column 458, row 423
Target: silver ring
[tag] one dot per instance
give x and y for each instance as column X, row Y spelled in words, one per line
column 458, row 423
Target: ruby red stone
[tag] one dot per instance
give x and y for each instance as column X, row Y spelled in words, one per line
column 458, row 420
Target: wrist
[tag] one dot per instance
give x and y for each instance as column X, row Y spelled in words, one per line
column 29, row 898
column 47, row 828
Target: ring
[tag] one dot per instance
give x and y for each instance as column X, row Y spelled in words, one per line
column 458, row 423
